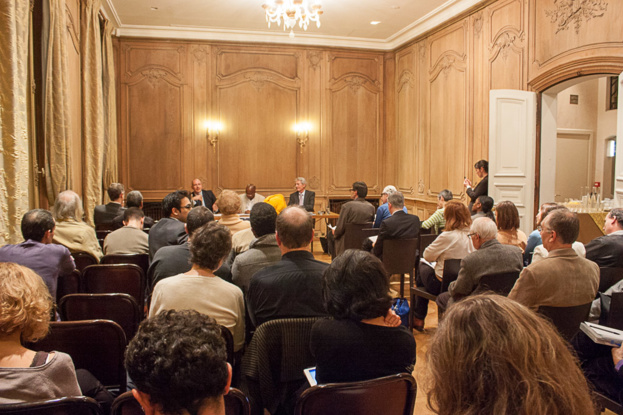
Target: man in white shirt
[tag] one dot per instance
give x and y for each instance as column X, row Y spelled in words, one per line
column 249, row 198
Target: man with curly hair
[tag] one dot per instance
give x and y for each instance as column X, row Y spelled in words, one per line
column 177, row 361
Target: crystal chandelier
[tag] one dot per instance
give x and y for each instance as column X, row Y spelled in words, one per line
column 292, row 12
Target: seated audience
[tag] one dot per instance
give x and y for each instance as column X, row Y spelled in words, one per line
column 70, row 230
column 452, row 243
column 132, row 199
column 358, row 211
column 436, row 220
column 228, row 204
column 357, row 343
column 277, row 201
column 249, row 199
column 200, row 197
column 490, row 257
column 293, row 286
column 104, row 214
column 607, row 251
column 263, row 251
column 563, row 279
column 25, row 375
column 399, row 225
column 200, row 289
column 37, row 252
column 382, row 212
column 482, row 188
column 130, row 239
column 540, row 252
column 483, row 208
column 177, row 361
column 170, row 229
column 534, row 239
column 302, row 197
column 490, row 356
column 508, row 225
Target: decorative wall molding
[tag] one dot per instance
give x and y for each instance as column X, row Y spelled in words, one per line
column 314, row 59
column 406, row 78
column 573, row 13
column 355, row 82
column 510, row 39
column 450, row 59
column 478, row 22
column 200, row 53
column 258, row 79
column 153, row 75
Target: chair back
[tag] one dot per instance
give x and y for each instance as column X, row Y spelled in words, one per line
column 101, row 235
column 118, row 307
column 142, row 260
column 450, row 272
column 615, row 314
column 399, row 255
column 566, row 319
column 390, row 395
column 94, row 345
column 499, row 283
column 126, row 404
column 115, row 278
column 72, row 405
column 354, row 235
column 68, row 284
column 83, row 260
column 603, row 402
column 608, row 277
column 426, row 240
column 229, row 344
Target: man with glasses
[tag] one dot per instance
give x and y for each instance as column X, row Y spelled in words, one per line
column 607, row 251
column 563, row 279
column 170, row 229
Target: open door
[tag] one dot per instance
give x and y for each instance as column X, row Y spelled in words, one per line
column 512, row 143
column 618, row 164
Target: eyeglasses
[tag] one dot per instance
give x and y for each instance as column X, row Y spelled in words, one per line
column 469, row 235
column 542, row 229
column 188, row 206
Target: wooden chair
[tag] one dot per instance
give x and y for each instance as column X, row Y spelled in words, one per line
column 117, row 278
column 603, row 402
column 390, row 395
column 450, row 273
column 83, row 260
column 142, row 260
column 68, row 284
column 566, row 319
column 399, row 258
column 354, row 235
column 614, row 316
column 101, row 235
column 120, row 308
column 608, row 277
column 72, row 405
column 499, row 283
column 94, row 345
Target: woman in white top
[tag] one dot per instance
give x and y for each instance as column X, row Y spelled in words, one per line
column 452, row 243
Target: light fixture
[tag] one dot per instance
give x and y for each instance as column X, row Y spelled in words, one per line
column 374, row 22
column 213, row 129
column 302, row 134
column 291, row 12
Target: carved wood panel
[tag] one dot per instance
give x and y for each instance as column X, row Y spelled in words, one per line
column 406, row 123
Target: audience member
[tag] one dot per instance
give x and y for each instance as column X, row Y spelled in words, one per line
column 491, row 355
column 540, row 252
column 130, row 239
column 358, row 342
column 37, row 252
column 563, row 279
column 482, row 188
column 452, row 243
column 277, row 201
column 483, row 208
column 263, row 251
column 249, row 199
column 490, row 257
column 133, row 199
column 170, row 229
column 399, row 225
column 357, row 211
column 508, row 226
column 607, row 251
column 228, row 204
column 200, row 289
column 534, row 239
column 436, row 220
column 293, row 286
column 70, row 230
column 202, row 197
column 104, row 214
column 302, row 197
column 177, row 361
column 382, row 212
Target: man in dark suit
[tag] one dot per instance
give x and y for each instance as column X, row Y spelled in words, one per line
column 607, row 251
column 357, row 211
column 133, row 199
column 170, row 229
column 399, row 225
column 302, row 197
column 202, row 197
column 104, row 214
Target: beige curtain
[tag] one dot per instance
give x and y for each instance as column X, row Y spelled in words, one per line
column 92, row 107
column 110, row 108
column 14, row 157
column 57, row 119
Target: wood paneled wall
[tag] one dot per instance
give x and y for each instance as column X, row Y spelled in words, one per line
column 416, row 117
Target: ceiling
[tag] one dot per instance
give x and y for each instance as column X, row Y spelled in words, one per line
column 344, row 23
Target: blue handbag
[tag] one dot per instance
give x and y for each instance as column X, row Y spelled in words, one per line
column 401, row 308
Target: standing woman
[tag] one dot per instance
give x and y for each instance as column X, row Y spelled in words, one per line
column 508, row 225
column 482, row 188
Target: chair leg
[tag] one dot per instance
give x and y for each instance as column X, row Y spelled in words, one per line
column 402, row 285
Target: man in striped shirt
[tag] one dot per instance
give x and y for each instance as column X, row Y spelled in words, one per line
column 436, row 220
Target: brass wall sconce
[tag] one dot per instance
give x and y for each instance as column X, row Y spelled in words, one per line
column 302, row 134
column 213, row 130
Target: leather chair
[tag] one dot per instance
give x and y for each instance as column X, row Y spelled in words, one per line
column 101, row 235
column 117, row 278
column 498, row 283
column 142, row 260
column 68, row 284
column 399, row 258
column 95, row 345
column 566, row 319
column 83, row 260
column 354, row 235
column 614, row 316
column 118, row 307
column 450, row 273
column 72, row 405
column 608, row 277
column 390, row 395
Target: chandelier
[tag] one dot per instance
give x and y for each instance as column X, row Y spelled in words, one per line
column 292, row 12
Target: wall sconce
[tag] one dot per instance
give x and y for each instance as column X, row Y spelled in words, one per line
column 302, row 134
column 212, row 131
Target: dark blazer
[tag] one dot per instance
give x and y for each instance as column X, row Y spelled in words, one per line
column 106, row 213
column 606, row 251
column 208, row 199
column 481, row 189
column 166, row 232
column 308, row 200
column 400, row 225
